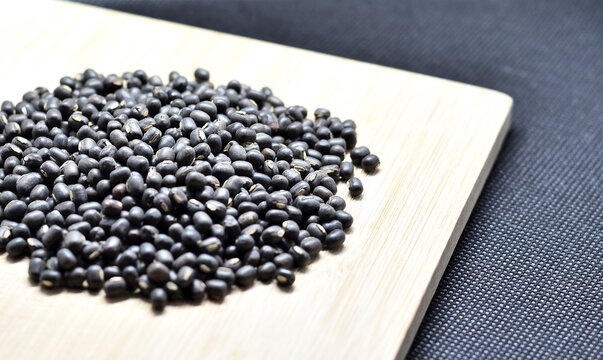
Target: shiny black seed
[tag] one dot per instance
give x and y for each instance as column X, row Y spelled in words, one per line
column 15, row 210
column 159, row 299
column 216, row 289
column 334, row 239
column 312, row 245
column 346, row 170
column 50, row 278
column 67, row 260
column 245, row 276
column 16, row 247
column 158, row 272
column 358, row 154
column 36, row 266
column 355, row 187
column 284, row 260
column 370, row 163
column 285, row 277
column 115, row 287
column 300, row 256
column 266, row 271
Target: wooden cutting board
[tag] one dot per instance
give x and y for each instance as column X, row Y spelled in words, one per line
column 437, row 141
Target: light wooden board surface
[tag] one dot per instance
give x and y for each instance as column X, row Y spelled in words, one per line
column 437, row 141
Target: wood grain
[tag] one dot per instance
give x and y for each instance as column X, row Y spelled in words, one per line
column 437, row 140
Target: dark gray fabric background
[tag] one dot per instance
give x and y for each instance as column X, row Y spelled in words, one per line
column 525, row 280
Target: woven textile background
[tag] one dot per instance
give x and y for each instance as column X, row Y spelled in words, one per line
column 526, row 279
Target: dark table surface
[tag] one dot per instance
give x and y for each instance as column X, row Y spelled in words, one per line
column 526, row 278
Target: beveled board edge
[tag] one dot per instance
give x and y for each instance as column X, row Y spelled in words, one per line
column 456, row 234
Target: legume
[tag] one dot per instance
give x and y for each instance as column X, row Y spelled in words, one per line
column 174, row 190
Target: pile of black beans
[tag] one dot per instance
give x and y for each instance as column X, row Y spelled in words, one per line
column 171, row 191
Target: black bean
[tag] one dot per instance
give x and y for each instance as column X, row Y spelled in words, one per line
column 126, row 258
column 36, row 266
column 326, row 212
column 345, row 218
column 111, row 248
column 138, row 163
column 39, row 192
column 163, row 202
column 50, row 278
column 223, row 171
column 165, row 257
column 349, row 135
column 6, row 197
column 346, row 170
column 245, row 276
column 237, row 153
column 53, row 236
column 300, row 256
column 338, row 203
column 300, row 188
column 15, row 210
column 27, row 182
column 185, row 156
column 197, row 290
column 266, row 271
column 52, row 263
column 332, row 225
column 21, row 230
column 215, row 209
column 307, row 204
column 16, row 247
column 276, row 216
column 67, row 260
column 95, row 277
column 226, row 274
column 285, row 277
column 207, row 264
column 216, row 289
column 272, row 235
column 355, row 187
column 215, row 143
column 185, row 276
column 116, row 287
column 312, row 245
column 112, row 208
column 284, row 260
column 135, row 185
column 78, row 194
column 119, row 175
column 34, row 219
column 111, row 272
column 130, row 275
column 370, row 163
column 5, row 236
column 75, row 278
column 185, row 259
column 358, row 154
column 147, row 252
column 66, row 208
column 231, row 252
column 118, row 138
column 158, row 272
column 159, row 299
column 91, row 252
column 291, row 229
column 233, row 263
column 334, row 239
column 317, row 231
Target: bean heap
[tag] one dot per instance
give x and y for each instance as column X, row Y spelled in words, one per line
column 171, row 191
